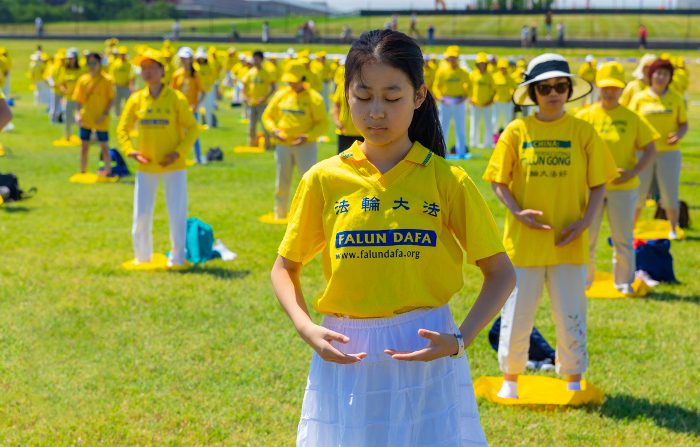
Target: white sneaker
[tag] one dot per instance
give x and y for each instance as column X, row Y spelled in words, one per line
column 644, row 276
column 672, row 235
column 547, row 365
column 625, row 289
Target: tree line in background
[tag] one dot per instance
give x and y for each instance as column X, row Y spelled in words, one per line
column 18, row 11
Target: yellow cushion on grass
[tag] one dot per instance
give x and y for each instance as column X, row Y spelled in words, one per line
column 604, row 287
column 2, row 150
column 538, row 390
column 88, row 178
column 270, row 218
column 655, row 229
column 70, row 142
column 159, row 262
column 248, row 150
column 203, row 127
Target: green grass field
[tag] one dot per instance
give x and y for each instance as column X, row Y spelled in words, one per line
column 672, row 27
column 93, row 355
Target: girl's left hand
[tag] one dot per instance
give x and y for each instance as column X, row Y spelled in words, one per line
column 169, row 159
column 441, row 345
column 673, row 139
column 572, row 232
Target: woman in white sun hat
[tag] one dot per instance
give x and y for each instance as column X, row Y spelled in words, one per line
column 550, row 171
column 641, row 79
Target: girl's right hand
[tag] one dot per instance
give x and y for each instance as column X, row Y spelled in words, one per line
column 528, row 218
column 138, row 156
column 319, row 338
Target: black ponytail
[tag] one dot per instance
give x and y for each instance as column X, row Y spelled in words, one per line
column 403, row 53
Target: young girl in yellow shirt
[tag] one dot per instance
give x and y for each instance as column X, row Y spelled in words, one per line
column 389, row 366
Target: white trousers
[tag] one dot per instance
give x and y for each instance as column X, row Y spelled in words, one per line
column 209, row 104
column 122, row 94
column 566, row 284
column 286, row 157
column 501, row 110
column 479, row 114
column 6, row 87
column 620, row 207
column 667, row 169
column 144, row 201
column 458, row 112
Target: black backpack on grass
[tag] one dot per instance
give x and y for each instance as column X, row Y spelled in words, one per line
column 9, row 185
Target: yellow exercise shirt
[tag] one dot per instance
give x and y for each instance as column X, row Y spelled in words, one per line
column 94, row 94
column 549, row 167
column 257, row 84
column 296, row 114
column 665, row 114
column 190, row 86
column 341, row 101
column 67, row 78
column 624, row 132
column 165, row 124
column 632, row 89
column 450, row 82
column 122, row 72
column 504, row 86
column 482, row 88
column 390, row 243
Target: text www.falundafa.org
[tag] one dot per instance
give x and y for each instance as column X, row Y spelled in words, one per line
column 395, row 253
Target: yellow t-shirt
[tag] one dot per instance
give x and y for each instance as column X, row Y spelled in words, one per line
column 165, row 124
column 504, row 86
column 296, row 114
column 67, row 78
column 382, row 237
column 631, row 89
column 429, row 71
column 624, row 132
column 207, row 76
column 482, row 88
column 450, row 82
column 340, row 99
column 94, row 95
column 257, row 83
column 664, row 114
column 588, row 71
column 190, row 86
column 121, row 72
column 549, row 167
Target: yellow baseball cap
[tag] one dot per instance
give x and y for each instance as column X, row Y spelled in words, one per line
column 502, row 63
column 295, row 73
column 123, row 50
column 320, row 54
column 610, row 74
column 149, row 55
column 452, row 51
column 482, row 58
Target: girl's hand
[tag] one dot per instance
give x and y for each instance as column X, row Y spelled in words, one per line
column 441, row 345
column 572, row 232
column 169, row 159
column 279, row 135
column 673, row 139
column 138, row 156
column 300, row 140
column 625, row 175
column 528, row 218
column 100, row 118
column 319, row 338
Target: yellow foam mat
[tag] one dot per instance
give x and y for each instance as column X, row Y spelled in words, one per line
column 159, row 262
column 190, row 162
column 88, row 178
column 248, row 150
column 604, row 287
column 270, row 218
column 655, row 229
column 203, row 127
column 70, row 142
column 538, row 390
column 2, row 150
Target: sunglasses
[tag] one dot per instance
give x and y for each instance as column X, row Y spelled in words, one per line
column 546, row 89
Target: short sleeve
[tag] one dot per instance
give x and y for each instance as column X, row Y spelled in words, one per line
column 472, row 223
column 503, row 159
column 645, row 133
column 79, row 92
column 682, row 113
column 305, row 237
column 601, row 164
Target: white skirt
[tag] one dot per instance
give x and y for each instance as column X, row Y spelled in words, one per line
column 385, row 402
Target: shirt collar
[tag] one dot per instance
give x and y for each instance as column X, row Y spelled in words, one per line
column 418, row 154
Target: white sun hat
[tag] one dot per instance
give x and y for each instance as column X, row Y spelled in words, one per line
column 184, row 52
column 645, row 61
column 548, row 66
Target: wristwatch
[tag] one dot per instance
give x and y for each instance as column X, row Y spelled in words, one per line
column 460, row 343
